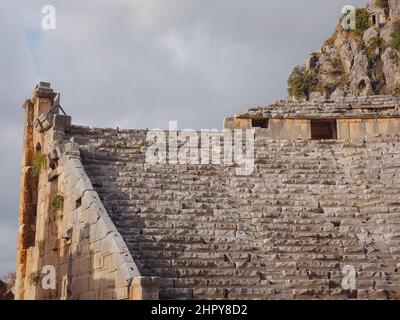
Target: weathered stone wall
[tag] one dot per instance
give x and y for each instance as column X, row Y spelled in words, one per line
column 354, row 129
column 131, row 230
column 357, row 117
column 288, row 129
column 79, row 239
column 350, row 129
column 32, row 143
column 284, row 232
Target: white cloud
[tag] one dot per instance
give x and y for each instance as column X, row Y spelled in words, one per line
column 152, row 15
column 140, row 63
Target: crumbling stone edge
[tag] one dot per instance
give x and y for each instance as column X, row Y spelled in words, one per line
column 88, row 229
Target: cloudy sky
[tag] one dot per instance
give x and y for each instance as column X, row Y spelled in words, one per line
column 141, row 63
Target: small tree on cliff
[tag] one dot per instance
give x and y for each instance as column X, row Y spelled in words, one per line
column 395, row 43
column 301, row 82
column 384, row 4
column 362, row 21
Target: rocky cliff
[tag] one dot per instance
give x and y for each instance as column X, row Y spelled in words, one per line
column 357, row 62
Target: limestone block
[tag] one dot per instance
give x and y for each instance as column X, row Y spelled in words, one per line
column 144, row 288
column 82, row 248
column 116, row 243
column 242, row 123
column 229, row 123
column 90, row 198
column 62, row 122
column 92, row 295
column 70, row 218
column 343, row 129
column 55, row 138
column 65, row 255
column 121, row 293
column 124, row 275
column 84, row 231
column 80, row 284
column 101, row 229
column 70, row 148
column 110, row 262
column 70, row 164
column 275, row 128
column 95, row 246
column 90, row 215
column 71, row 174
column 97, row 282
column 83, row 184
column 97, row 260
column 76, row 231
column 43, row 122
column 108, row 294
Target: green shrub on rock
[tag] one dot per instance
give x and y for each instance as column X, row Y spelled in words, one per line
column 39, row 162
column 383, row 4
column 301, row 82
column 395, row 43
column 362, row 21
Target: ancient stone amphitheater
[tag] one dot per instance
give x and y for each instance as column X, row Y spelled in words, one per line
column 324, row 194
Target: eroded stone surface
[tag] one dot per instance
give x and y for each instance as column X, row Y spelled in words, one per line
column 131, row 230
column 285, row 232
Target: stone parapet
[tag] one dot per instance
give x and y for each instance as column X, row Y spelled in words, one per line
column 353, row 107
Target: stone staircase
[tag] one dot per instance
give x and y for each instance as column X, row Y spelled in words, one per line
column 284, row 232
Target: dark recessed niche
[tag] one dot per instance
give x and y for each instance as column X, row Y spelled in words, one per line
column 323, row 129
column 78, row 203
column 260, row 123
